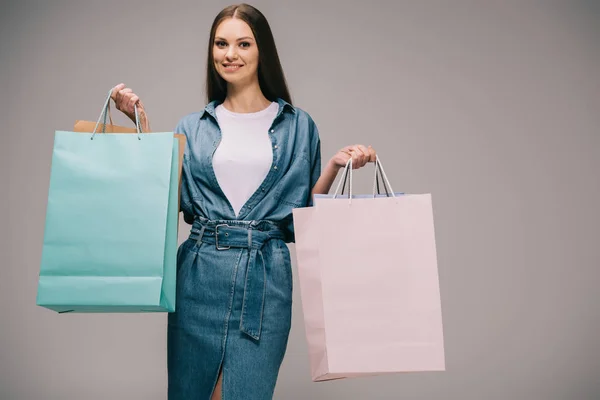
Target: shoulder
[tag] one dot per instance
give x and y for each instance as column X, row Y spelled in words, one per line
column 303, row 116
column 189, row 123
column 305, row 121
column 306, row 124
column 300, row 115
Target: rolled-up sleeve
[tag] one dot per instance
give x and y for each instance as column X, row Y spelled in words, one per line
column 315, row 158
column 185, row 199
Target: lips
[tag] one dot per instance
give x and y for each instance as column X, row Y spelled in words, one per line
column 232, row 67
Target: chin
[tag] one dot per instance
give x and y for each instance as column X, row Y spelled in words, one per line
column 230, row 78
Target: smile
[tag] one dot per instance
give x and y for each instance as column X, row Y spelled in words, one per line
column 231, row 67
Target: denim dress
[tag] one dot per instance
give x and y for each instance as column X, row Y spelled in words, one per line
column 234, row 278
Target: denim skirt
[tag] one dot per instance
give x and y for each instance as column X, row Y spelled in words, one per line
column 233, row 311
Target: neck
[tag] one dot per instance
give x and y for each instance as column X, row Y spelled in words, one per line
column 246, row 98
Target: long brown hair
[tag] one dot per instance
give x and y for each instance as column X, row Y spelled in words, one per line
column 270, row 74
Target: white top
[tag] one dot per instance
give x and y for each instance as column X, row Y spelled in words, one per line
column 244, row 156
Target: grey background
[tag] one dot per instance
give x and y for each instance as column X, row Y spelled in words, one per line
column 492, row 106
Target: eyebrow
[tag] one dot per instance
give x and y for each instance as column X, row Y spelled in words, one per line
column 242, row 38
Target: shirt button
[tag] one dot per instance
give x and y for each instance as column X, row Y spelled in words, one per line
column 272, row 130
column 276, row 147
column 275, row 167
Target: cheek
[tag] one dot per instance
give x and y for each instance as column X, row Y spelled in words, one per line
column 218, row 54
column 252, row 61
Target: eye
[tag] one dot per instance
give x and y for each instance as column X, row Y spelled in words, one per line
column 220, row 43
column 244, row 44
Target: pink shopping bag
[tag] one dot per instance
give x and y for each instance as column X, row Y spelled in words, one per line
column 369, row 284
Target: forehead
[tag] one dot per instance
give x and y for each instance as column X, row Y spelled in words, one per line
column 233, row 28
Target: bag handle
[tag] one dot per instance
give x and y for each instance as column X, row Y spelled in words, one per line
column 384, row 178
column 379, row 174
column 106, row 111
column 348, row 171
column 375, row 182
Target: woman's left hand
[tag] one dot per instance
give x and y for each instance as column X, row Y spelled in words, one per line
column 360, row 154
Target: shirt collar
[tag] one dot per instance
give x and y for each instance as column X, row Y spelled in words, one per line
column 210, row 108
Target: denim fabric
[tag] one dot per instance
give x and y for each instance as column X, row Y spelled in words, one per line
column 234, row 278
column 295, row 169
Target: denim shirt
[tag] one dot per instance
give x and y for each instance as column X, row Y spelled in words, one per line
column 295, row 169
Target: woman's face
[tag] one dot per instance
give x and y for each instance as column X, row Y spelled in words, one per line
column 235, row 52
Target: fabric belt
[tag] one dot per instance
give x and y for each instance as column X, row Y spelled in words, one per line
column 251, row 235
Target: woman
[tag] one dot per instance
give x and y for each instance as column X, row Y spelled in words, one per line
column 251, row 157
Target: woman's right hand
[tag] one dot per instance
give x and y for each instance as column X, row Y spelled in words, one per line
column 125, row 100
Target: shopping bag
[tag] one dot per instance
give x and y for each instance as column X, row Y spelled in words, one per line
column 90, row 126
column 369, row 285
column 110, row 237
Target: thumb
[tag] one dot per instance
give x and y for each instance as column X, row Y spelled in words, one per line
column 372, row 154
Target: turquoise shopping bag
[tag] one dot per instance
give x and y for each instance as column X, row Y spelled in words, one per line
column 110, row 239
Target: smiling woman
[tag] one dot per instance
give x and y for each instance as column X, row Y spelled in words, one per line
column 234, row 57
column 251, row 157
column 243, row 51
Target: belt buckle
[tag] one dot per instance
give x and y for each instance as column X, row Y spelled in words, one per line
column 217, row 238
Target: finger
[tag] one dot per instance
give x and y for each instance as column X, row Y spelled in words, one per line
column 372, row 154
column 132, row 100
column 355, row 161
column 121, row 93
column 363, row 149
column 115, row 90
column 127, row 103
column 342, row 158
column 356, row 150
column 346, row 154
column 369, row 153
column 366, row 153
column 362, row 155
column 121, row 99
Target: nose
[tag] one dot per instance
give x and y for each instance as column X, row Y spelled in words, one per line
column 231, row 53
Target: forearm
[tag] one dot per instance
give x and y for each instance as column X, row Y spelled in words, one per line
column 326, row 179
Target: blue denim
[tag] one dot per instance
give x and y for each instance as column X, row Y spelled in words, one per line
column 295, row 169
column 234, row 278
